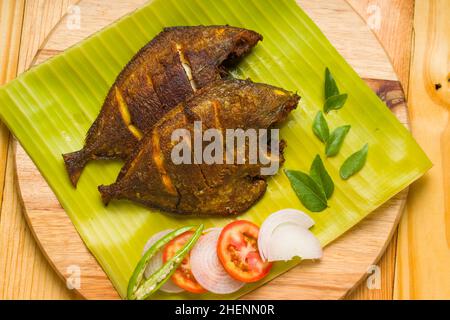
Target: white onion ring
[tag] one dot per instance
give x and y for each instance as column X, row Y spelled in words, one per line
column 274, row 220
column 207, row 269
column 156, row 262
column 211, row 229
column 290, row 240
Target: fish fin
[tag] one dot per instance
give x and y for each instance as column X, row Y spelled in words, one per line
column 107, row 193
column 75, row 163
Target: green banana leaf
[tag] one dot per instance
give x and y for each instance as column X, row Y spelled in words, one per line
column 50, row 108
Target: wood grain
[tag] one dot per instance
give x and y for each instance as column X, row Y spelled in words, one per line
column 11, row 22
column 392, row 23
column 11, row 26
column 41, row 16
column 24, row 271
column 423, row 261
column 390, row 17
column 344, row 265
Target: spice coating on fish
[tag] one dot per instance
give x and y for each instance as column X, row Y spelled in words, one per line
column 169, row 69
column 152, row 178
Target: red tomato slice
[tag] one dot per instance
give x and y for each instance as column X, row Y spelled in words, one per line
column 237, row 249
column 183, row 276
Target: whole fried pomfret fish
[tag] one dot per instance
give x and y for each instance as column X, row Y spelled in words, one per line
column 176, row 63
column 151, row 177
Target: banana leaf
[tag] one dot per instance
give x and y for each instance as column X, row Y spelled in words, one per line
column 50, row 108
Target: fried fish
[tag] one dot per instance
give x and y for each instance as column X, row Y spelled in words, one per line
column 151, row 177
column 176, row 63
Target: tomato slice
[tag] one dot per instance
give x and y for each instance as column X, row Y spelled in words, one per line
column 183, row 276
column 237, row 249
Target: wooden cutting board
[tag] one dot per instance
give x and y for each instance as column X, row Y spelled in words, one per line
column 346, row 261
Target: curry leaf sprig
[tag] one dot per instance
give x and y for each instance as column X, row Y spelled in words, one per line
column 334, row 100
column 313, row 189
column 333, row 142
column 316, row 188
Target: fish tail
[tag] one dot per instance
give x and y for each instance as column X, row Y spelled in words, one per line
column 75, row 163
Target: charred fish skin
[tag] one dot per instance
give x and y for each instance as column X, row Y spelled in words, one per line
column 151, row 178
column 169, row 69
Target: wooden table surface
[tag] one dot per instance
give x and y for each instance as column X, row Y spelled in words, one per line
column 415, row 35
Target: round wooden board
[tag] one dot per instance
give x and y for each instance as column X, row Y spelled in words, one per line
column 345, row 261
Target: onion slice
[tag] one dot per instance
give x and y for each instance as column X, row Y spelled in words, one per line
column 157, row 262
column 290, row 240
column 292, row 216
column 207, row 269
column 212, row 229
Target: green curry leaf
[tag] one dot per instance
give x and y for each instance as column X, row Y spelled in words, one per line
column 335, row 102
column 308, row 191
column 354, row 163
column 331, row 88
column 320, row 175
column 335, row 140
column 320, row 127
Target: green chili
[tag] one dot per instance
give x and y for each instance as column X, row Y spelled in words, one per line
column 138, row 288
